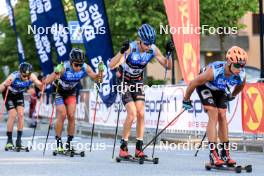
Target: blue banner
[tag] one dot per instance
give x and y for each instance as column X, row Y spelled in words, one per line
column 39, row 24
column 97, row 41
column 20, row 49
column 59, row 29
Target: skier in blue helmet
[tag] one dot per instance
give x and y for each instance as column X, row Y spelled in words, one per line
column 130, row 62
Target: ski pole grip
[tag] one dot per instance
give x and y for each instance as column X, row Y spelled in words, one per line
column 101, row 71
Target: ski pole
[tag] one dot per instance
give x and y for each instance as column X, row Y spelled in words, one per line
column 118, row 113
column 50, row 122
column 3, row 106
column 101, row 70
column 161, row 107
column 35, row 127
column 201, row 143
column 172, row 121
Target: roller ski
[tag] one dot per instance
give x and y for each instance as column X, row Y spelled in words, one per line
column 125, row 156
column 229, row 162
column 19, row 147
column 137, row 159
column 234, row 168
column 69, row 151
column 140, row 157
column 225, row 163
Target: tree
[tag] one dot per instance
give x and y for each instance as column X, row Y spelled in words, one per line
column 225, row 13
column 126, row 16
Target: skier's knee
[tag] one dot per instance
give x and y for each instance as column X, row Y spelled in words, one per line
column 140, row 114
column 222, row 115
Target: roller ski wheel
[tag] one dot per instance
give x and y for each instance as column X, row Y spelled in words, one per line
column 141, row 160
column 247, row 168
column 82, row 153
column 155, row 160
column 71, row 154
column 54, row 153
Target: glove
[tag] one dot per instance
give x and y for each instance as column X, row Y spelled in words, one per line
column 125, row 47
column 59, row 68
column 230, row 97
column 169, row 47
column 7, row 83
column 187, row 105
column 100, row 73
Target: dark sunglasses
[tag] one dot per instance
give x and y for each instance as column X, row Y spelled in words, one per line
column 78, row 64
column 147, row 44
column 237, row 65
column 25, row 75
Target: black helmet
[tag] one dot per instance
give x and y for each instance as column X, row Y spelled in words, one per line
column 25, row 68
column 77, row 55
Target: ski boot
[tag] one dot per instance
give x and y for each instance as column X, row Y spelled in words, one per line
column 9, row 146
column 20, row 147
column 123, row 152
column 139, row 152
column 215, row 159
column 225, row 155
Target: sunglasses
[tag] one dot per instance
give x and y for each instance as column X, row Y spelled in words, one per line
column 147, row 44
column 237, row 65
column 25, row 76
column 78, row 64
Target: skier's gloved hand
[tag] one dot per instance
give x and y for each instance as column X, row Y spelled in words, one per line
column 7, row 83
column 99, row 76
column 230, row 97
column 169, row 47
column 187, row 105
column 125, row 47
column 59, row 68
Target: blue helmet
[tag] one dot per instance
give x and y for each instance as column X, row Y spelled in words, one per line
column 147, row 34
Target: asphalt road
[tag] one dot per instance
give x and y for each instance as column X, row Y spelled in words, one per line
column 99, row 161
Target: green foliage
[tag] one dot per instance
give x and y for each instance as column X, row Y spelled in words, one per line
column 225, row 13
column 125, row 16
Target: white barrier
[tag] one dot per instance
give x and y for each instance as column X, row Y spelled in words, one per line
column 172, row 102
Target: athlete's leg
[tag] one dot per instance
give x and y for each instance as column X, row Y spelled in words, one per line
column 70, row 102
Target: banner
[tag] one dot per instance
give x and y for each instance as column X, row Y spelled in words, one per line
column 192, row 120
column 59, row 29
column 39, row 23
column 253, row 108
column 21, row 55
column 184, row 19
column 97, row 41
